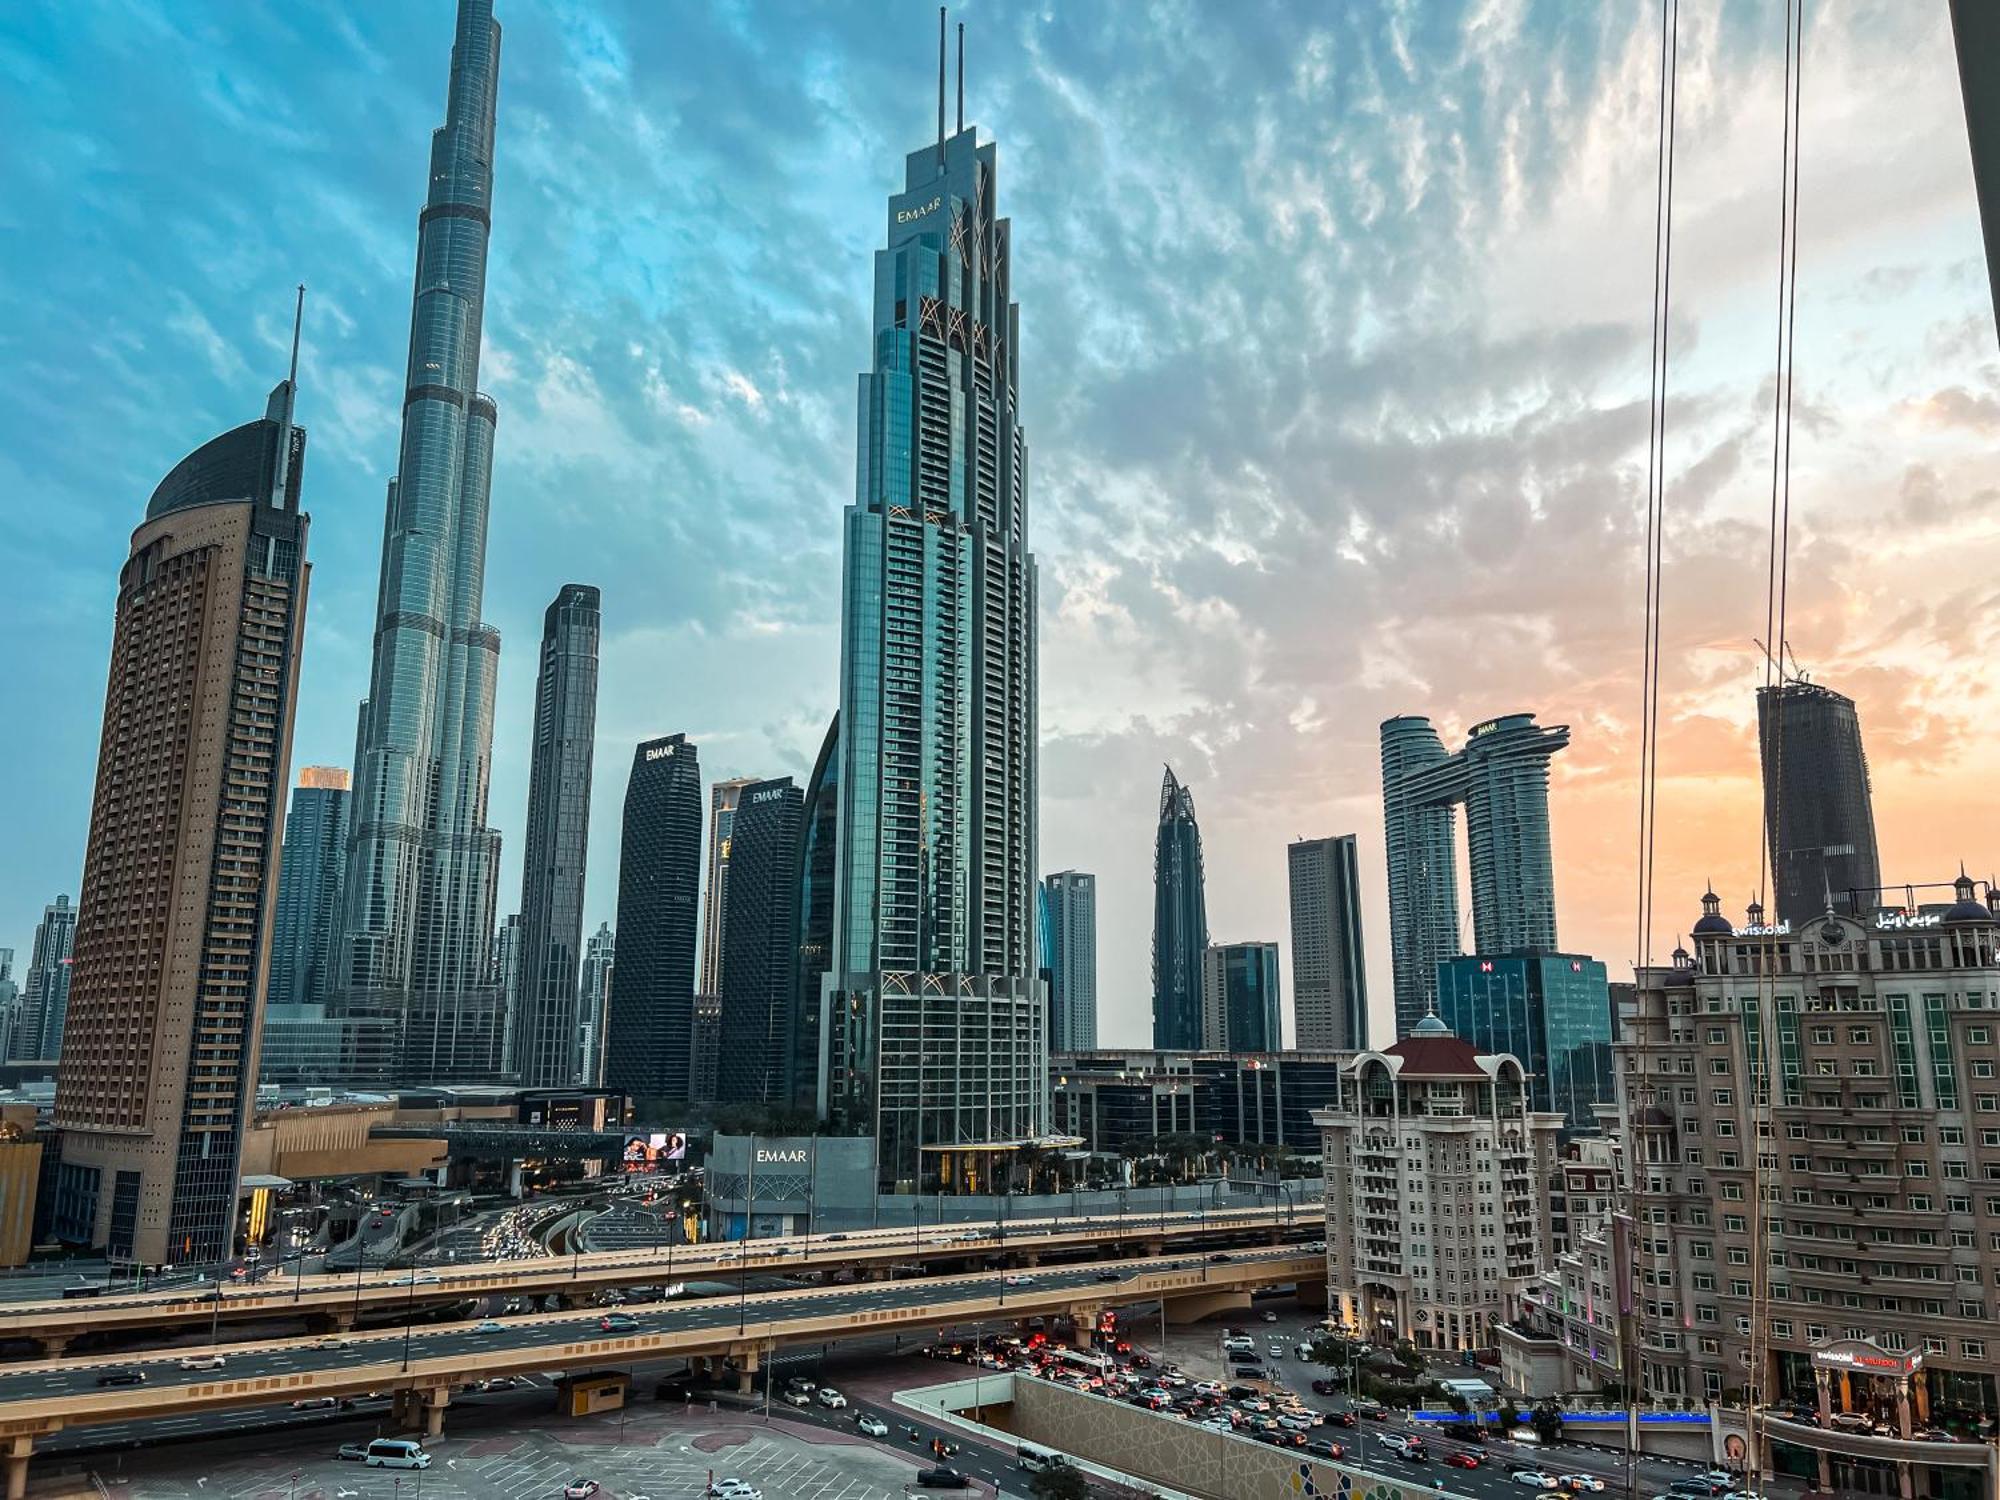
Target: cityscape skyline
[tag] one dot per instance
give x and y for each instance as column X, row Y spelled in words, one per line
column 1097, row 793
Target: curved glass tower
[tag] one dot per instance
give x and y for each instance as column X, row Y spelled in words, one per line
column 938, row 1045
column 1180, row 920
column 422, row 863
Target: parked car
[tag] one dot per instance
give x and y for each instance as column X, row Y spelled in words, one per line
column 580, row 1489
column 734, row 1489
column 352, row 1452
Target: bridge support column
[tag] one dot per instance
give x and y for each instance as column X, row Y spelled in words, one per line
column 53, row 1344
column 435, row 1400
column 747, row 1357
column 19, row 1450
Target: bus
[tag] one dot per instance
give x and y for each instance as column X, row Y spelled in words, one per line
column 1086, row 1362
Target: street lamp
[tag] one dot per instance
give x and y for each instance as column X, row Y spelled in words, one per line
column 409, row 1317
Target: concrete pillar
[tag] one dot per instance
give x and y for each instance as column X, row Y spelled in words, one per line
column 53, row 1344
column 18, row 1451
column 1903, row 1408
column 435, row 1401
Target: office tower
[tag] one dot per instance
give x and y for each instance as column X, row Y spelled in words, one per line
column 705, row 1048
column 1329, row 975
column 1180, row 920
column 722, row 797
column 600, row 956
column 556, row 841
column 818, row 865
column 506, row 976
column 159, row 1056
column 10, row 1002
column 941, row 1053
column 1818, row 811
column 45, row 997
column 1071, row 900
column 309, row 880
column 423, row 866
column 760, row 944
column 649, row 1046
column 1501, row 776
column 1240, row 1007
column 1551, row 1010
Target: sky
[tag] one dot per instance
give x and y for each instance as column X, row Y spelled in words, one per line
column 1335, row 335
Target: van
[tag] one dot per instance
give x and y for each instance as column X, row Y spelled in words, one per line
column 397, row 1453
column 1037, row 1462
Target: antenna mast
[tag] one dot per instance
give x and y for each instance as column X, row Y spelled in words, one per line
column 298, row 320
column 961, row 78
column 940, row 88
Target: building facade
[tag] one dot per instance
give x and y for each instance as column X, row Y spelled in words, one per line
column 1421, row 847
column 600, row 956
column 309, row 885
column 816, row 878
column 172, row 953
column 1436, row 1163
column 1819, row 809
column 1329, row 968
column 938, row 1045
column 1550, row 1010
column 1180, row 920
column 555, row 846
column 507, row 979
column 1071, row 904
column 45, row 995
column 759, row 942
column 1240, row 1006
column 722, row 800
column 1261, row 1101
column 649, row 1031
column 423, row 864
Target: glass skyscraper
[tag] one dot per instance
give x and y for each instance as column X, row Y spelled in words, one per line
column 1180, row 920
column 938, row 1046
column 1071, row 899
column 1551, row 1010
column 309, row 883
column 722, row 797
column 600, row 958
column 1240, row 1007
column 1501, row 776
column 1818, row 808
column 817, row 866
column 45, row 997
column 1329, row 973
column 760, row 945
column 423, row 866
column 556, row 843
column 650, row 1024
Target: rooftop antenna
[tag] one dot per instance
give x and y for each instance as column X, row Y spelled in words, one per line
column 961, row 78
column 940, row 88
column 282, row 404
column 298, row 321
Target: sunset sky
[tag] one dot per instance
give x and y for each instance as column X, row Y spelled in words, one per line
column 1335, row 321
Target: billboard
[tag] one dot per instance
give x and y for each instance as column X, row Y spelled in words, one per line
column 655, row 1151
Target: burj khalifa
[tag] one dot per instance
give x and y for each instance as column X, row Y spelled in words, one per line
column 423, row 866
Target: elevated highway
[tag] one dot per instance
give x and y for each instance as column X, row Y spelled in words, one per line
column 421, row 1369
column 337, row 1302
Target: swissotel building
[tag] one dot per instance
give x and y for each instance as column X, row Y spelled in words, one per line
column 935, row 1039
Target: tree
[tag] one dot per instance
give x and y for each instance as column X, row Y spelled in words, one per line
column 1547, row 1422
column 1510, row 1416
column 1059, row 1482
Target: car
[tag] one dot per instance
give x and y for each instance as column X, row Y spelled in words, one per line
column 942, row 1479
column 807, row 1384
column 870, row 1424
column 333, row 1341
column 831, row 1399
column 1589, row 1483
column 734, row 1489
column 1702, row 1486
column 798, row 1398
column 1395, row 1442
column 1017, row 1281
column 1462, row 1460
column 203, row 1362
column 580, row 1489
column 1718, row 1476
column 1326, row 1450
column 1341, row 1418
column 1269, row 1316
column 1852, row 1421
column 1110, row 1276
column 1296, row 1424
column 1317, row 1247
column 323, row 1403
column 618, row 1323
column 489, row 1325
column 1221, row 1257
column 1534, row 1479
column 835, row 1239
column 352, row 1452
column 1374, row 1411
column 122, row 1377
column 420, row 1278
column 1325, row 1387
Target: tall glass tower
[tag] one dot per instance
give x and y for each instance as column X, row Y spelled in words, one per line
column 423, row 865
column 1180, row 920
column 1070, row 899
column 1423, row 869
column 939, row 1046
column 1818, row 809
column 1329, row 973
column 309, row 884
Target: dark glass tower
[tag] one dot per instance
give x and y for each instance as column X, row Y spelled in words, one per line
column 1240, row 1006
column 1819, row 813
column 940, row 1050
column 760, row 944
column 423, row 866
column 1180, row 921
column 1071, row 902
column 814, row 874
column 1329, row 974
column 556, row 842
column 309, row 882
column 45, row 1000
column 649, row 1041
column 1551, row 1010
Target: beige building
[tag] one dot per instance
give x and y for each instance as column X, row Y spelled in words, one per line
column 159, row 1058
column 1436, row 1176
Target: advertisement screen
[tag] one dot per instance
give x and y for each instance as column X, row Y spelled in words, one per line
column 649, row 1153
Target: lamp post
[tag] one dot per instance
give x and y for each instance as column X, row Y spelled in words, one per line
column 409, row 1316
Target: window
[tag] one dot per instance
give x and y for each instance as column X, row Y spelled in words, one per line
column 1719, row 1066
column 1704, row 1281
column 1722, row 1098
column 1951, row 1135
column 1982, row 1067
column 1860, row 1036
column 1979, row 1036
column 1972, row 1348
column 1913, row 1135
column 1715, row 1036
column 1822, row 1036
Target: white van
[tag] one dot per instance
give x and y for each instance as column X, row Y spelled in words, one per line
column 1036, row 1462
column 397, row 1453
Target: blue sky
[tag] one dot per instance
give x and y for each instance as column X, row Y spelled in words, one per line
column 1335, row 331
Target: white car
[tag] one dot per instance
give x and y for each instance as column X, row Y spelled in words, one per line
column 334, row 1341
column 831, row 1399
column 1017, row 1281
column 1269, row 1316
column 734, row 1489
column 203, row 1362
column 872, row 1425
column 798, row 1398
column 1588, row 1482
column 1535, row 1479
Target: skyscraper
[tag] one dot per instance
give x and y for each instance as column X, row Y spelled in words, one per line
column 722, row 797
column 1818, row 810
column 159, row 1056
column 760, row 945
column 309, row 880
column 506, row 975
column 1072, row 944
column 1180, row 921
column 423, row 866
column 45, row 998
column 1551, row 1010
column 1240, row 1006
column 649, row 1027
column 556, row 842
column 600, row 957
column 1502, row 778
column 818, row 865
column 941, row 1052
column 1329, row 975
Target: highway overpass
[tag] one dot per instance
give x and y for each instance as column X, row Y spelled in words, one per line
column 333, row 1302
column 421, row 1367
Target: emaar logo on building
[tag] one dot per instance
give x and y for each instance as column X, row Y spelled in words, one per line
column 911, row 215
column 781, row 1156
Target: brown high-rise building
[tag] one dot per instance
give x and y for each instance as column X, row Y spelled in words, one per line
column 180, row 877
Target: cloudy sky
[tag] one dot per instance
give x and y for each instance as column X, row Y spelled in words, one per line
column 1335, row 328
